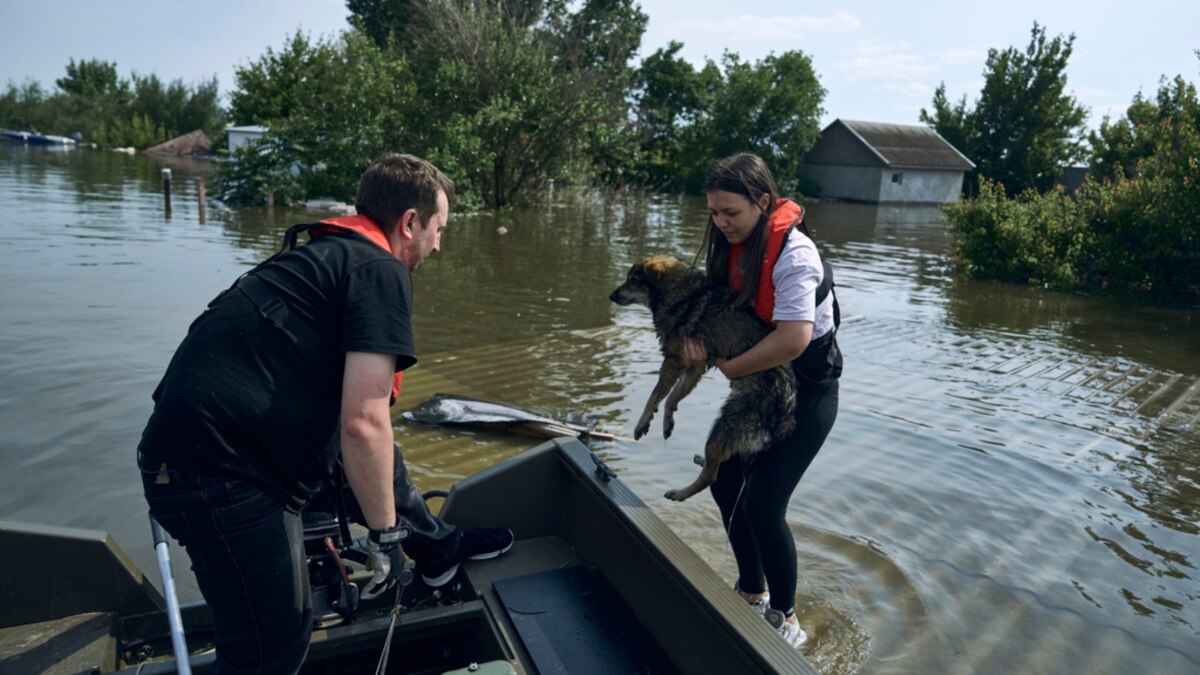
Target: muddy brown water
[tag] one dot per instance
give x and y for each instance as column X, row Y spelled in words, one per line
column 1011, row 486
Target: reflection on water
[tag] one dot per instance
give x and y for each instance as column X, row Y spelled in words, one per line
column 1012, row 483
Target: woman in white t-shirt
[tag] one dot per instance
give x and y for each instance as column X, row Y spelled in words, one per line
column 757, row 244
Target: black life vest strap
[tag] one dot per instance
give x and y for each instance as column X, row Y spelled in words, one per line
column 827, row 284
column 269, row 305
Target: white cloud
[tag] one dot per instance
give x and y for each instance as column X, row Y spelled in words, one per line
column 909, row 89
column 962, row 55
column 751, row 27
column 1091, row 92
column 886, row 60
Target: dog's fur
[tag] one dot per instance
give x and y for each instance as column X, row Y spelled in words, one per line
column 760, row 408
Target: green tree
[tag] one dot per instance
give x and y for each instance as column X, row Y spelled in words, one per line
column 1118, row 147
column 1135, row 224
column 176, row 107
column 343, row 108
column 29, row 106
column 278, row 83
column 93, row 79
column 95, row 96
column 687, row 119
column 392, row 20
column 771, row 108
column 1024, row 128
column 113, row 111
column 1145, row 192
column 511, row 102
column 502, row 95
column 951, row 121
column 670, row 101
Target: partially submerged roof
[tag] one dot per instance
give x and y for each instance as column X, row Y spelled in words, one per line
column 904, row 145
column 192, row 143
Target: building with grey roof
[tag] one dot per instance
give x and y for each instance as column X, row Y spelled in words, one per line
column 885, row 163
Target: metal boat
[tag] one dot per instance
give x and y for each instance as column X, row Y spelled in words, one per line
column 596, row 583
column 34, row 138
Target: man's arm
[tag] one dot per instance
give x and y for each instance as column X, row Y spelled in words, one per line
column 367, row 437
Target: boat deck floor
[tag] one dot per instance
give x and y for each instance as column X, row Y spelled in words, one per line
column 560, row 614
column 73, row 644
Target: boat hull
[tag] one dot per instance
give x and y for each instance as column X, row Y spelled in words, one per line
column 581, row 533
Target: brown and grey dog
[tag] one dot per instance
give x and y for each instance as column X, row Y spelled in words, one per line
column 760, row 407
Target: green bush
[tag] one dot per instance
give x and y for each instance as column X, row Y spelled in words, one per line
column 1141, row 232
column 1147, row 228
column 1134, row 224
column 1033, row 239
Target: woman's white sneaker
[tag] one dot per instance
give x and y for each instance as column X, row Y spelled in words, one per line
column 761, row 605
column 788, row 630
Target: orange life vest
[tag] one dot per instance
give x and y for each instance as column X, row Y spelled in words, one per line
column 372, row 232
column 786, row 214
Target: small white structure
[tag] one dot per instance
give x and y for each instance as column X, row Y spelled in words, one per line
column 885, row 164
column 239, row 136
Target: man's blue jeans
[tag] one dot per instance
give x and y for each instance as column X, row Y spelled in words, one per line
column 247, row 554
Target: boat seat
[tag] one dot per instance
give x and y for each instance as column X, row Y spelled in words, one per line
column 571, row 620
column 72, row 644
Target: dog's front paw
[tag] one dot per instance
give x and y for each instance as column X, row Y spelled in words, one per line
column 668, row 425
column 698, row 459
column 640, row 430
column 673, row 495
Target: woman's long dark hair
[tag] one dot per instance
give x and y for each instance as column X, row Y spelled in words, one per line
column 747, row 175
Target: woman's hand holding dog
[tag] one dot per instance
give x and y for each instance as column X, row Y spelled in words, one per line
column 696, row 352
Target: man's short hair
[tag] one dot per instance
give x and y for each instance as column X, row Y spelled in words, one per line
column 395, row 183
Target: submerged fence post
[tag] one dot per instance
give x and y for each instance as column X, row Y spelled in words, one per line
column 200, row 189
column 166, row 178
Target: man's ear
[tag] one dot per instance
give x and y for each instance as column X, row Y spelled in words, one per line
column 406, row 224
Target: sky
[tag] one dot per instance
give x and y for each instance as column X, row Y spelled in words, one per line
column 878, row 60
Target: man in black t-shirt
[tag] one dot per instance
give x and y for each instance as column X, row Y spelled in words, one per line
column 300, row 358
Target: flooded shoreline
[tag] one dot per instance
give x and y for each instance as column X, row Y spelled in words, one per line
column 1011, row 484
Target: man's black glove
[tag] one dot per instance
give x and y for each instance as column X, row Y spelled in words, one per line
column 385, row 558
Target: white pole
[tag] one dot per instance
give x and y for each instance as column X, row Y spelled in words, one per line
column 182, row 664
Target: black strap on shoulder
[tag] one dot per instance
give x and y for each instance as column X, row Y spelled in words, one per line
column 293, row 233
column 827, row 284
column 269, row 305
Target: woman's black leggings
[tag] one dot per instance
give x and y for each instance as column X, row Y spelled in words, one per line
column 754, row 506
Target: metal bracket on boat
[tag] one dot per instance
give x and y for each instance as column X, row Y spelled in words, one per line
column 603, row 473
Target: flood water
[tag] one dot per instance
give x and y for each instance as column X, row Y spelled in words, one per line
column 1012, row 484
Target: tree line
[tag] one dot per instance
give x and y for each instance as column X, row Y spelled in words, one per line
column 508, row 95
column 1134, row 223
column 112, row 111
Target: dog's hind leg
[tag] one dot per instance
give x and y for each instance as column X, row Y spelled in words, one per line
column 668, row 375
column 714, row 455
column 737, row 430
column 720, row 446
column 682, row 388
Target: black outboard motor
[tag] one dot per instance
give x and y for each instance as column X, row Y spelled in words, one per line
column 327, row 545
